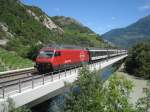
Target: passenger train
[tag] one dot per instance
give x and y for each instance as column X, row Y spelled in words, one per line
column 51, row 59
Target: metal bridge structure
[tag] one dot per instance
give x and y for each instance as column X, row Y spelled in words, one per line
column 29, row 88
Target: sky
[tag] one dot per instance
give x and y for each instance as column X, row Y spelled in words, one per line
column 99, row 15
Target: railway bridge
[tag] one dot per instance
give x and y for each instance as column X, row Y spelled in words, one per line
column 34, row 89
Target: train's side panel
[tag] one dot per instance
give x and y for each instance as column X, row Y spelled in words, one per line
column 70, row 57
column 97, row 54
column 105, row 53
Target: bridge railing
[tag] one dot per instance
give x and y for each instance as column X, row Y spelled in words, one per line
column 34, row 80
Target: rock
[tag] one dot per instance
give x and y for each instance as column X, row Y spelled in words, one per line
column 3, row 41
column 33, row 14
column 46, row 21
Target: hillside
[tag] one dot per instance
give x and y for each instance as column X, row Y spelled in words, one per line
column 130, row 35
column 11, row 61
column 78, row 34
column 22, row 27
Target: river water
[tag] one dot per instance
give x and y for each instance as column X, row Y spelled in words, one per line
column 54, row 104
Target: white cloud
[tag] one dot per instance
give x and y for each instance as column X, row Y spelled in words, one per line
column 57, row 9
column 109, row 26
column 144, row 7
column 113, row 18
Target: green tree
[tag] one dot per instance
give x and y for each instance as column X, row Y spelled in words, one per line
column 116, row 95
column 90, row 94
column 143, row 104
column 9, row 106
column 33, row 52
column 138, row 60
column 85, row 93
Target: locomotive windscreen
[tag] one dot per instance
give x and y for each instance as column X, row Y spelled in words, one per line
column 47, row 54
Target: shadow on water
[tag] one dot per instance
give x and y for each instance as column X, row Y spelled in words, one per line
column 106, row 72
column 55, row 104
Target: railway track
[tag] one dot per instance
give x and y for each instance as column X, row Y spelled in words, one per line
column 14, row 75
column 26, row 75
column 31, row 78
column 13, row 78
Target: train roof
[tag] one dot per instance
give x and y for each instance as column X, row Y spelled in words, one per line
column 91, row 50
column 63, row 49
column 105, row 50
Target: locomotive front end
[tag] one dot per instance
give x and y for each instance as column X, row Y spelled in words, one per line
column 44, row 61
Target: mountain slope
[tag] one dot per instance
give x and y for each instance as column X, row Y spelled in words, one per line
column 78, row 34
column 27, row 26
column 128, row 36
column 11, row 61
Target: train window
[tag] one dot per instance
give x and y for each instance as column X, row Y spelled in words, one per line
column 48, row 54
column 104, row 53
column 57, row 53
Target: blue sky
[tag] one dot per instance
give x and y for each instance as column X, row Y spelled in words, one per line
column 100, row 15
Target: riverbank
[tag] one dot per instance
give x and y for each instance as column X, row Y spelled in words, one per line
column 138, row 83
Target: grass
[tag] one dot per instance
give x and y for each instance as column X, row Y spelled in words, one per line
column 11, row 61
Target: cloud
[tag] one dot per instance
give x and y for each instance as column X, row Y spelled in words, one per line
column 57, row 9
column 109, row 26
column 113, row 18
column 144, row 7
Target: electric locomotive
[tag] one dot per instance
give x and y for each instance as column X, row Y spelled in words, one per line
column 51, row 59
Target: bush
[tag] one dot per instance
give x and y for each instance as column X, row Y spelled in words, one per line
column 90, row 94
column 138, row 60
column 33, row 52
column 143, row 104
column 9, row 106
column 10, row 61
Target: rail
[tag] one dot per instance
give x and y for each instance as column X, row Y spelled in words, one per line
column 44, row 77
column 16, row 72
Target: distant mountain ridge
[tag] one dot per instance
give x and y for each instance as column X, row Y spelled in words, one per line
column 130, row 35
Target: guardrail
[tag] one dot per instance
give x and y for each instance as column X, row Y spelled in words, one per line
column 44, row 78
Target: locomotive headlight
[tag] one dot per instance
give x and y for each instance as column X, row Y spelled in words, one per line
column 41, row 52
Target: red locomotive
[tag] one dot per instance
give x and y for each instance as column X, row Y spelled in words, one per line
column 50, row 59
column 53, row 59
